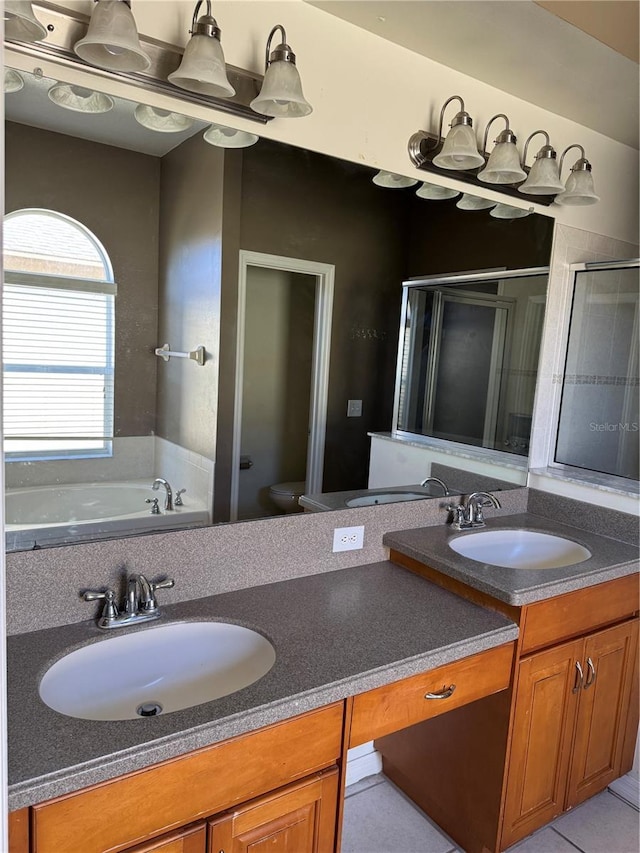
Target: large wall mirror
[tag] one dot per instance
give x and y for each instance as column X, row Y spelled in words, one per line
column 273, row 274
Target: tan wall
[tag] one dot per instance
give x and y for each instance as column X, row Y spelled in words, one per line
column 114, row 193
column 190, row 269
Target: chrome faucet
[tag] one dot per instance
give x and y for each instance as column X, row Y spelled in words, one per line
column 471, row 515
column 168, row 500
column 140, row 603
column 441, row 483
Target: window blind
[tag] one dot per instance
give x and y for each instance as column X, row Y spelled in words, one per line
column 58, row 369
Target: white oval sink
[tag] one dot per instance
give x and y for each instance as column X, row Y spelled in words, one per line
column 519, row 549
column 156, row 671
column 385, row 498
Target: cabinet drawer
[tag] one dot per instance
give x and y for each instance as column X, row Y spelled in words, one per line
column 577, row 613
column 126, row 811
column 395, row 706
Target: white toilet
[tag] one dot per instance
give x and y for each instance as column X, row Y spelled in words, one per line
column 285, row 496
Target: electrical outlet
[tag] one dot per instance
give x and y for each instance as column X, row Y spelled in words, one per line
column 348, row 538
column 354, row 408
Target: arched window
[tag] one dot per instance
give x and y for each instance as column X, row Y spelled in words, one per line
column 58, row 333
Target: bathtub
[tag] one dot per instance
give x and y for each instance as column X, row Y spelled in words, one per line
column 49, row 515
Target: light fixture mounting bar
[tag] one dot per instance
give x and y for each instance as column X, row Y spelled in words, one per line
column 66, row 28
column 423, row 147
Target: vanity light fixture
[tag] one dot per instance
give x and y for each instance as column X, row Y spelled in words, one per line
column 434, row 192
column 392, row 181
column 474, row 202
column 13, row 81
column 578, row 188
column 79, row 99
column 507, row 211
column 228, row 137
column 20, row 23
column 459, row 150
column 161, row 121
column 203, row 67
column 544, row 178
column 112, row 39
column 503, row 166
column 281, row 93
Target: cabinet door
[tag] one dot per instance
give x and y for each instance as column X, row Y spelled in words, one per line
column 190, row 839
column 546, row 701
column 603, row 710
column 300, row 818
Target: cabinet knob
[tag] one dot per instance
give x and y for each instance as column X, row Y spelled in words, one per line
column 446, row 692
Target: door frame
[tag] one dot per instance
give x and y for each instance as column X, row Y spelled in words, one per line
column 325, row 276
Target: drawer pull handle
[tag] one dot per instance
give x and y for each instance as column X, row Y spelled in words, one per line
column 579, row 678
column 591, row 675
column 446, row 692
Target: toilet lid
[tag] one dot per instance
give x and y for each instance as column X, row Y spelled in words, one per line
column 288, row 488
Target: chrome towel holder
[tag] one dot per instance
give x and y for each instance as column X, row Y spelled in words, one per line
column 165, row 353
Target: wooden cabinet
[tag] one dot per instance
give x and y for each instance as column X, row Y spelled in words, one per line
column 565, row 733
column 571, row 709
column 298, row 819
column 131, row 810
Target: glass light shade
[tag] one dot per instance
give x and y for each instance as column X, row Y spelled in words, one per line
column 281, row 93
column 543, row 178
column 112, row 40
column 503, row 166
column 460, row 150
column 435, row 193
column 474, row 202
column 79, row 99
column 13, row 82
column 20, row 23
column 506, row 211
column 392, row 181
column 203, row 69
column 162, row 121
column 579, row 189
column 227, row 137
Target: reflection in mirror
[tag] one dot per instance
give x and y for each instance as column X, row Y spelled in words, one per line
column 172, row 214
column 469, row 356
column 598, row 429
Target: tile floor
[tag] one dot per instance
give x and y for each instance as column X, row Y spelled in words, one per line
column 380, row 819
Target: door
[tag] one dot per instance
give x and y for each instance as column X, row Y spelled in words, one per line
column 300, row 818
column 548, row 687
column 603, row 711
column 269, row 372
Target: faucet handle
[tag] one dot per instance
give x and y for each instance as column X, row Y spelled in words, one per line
column 110, row 609
column 458, row 511
column 178, row 497
column 169, row 583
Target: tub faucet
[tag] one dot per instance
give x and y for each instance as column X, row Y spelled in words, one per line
column 471, row 515
column 168, row 500
column 441, row 483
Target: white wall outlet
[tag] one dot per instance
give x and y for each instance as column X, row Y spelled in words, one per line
column 354, row 408
column 348, row 538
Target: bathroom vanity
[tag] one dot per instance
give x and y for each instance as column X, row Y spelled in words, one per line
column 441, row 674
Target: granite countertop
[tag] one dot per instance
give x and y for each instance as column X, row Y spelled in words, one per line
column 323, row 501
column 335, row 634
column 609, row 559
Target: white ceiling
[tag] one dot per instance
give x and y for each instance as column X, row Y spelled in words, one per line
column 524, row 49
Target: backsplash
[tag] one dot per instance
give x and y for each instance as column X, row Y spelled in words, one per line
column 208, row 561
column 586, row 516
